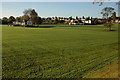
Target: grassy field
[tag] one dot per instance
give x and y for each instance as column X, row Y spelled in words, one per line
column 57, row 51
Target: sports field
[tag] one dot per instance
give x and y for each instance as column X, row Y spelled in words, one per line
column 57, row 51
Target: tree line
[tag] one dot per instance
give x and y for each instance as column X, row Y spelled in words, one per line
column 29, row 14
column 108, row 14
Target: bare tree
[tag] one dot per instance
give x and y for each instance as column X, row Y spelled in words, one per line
column 101, row 2
column 107, row 13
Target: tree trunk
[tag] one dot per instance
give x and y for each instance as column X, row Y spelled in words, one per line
column 110, row 28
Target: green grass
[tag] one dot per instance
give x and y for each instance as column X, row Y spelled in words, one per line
column 57, row 52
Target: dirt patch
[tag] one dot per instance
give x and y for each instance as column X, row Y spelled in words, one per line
column 110, row 71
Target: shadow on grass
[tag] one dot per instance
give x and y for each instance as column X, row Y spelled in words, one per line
column 40, row 26
column 46, row 26
column 111, row 30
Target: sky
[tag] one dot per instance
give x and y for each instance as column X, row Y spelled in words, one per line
column 57, row 0
column 52, row 9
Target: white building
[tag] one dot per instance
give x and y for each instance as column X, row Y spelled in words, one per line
column 88, row 22
column 28, row 23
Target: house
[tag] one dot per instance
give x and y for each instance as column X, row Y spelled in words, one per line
column 117, row 20
column 29, row 23
column 86, row 21
column 18, row 23
column 23, row 23
column 75, row 22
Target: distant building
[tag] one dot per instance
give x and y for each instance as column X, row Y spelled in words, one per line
column 23, row 23
column 117, row 20
column 75, row 22
column 86, row 21
column 29, row 23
